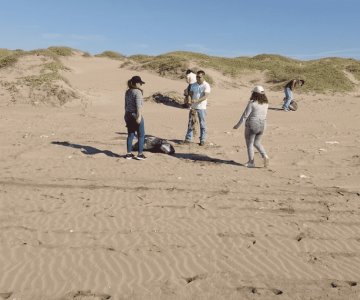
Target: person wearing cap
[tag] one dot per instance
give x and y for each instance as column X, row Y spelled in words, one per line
column 288, row 90
column 199, row 91
column 133, row 116
column 255, row 122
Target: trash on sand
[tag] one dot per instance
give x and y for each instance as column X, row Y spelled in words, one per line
column 332, row 142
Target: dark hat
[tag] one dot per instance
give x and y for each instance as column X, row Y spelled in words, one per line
column 137, row 79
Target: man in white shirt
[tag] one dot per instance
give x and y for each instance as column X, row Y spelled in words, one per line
column 199, row 91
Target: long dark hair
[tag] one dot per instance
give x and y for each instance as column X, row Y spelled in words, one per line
column 132, row 85
column 260, row 98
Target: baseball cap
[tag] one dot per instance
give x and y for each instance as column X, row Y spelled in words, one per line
column 259, row 89
column 137, row 79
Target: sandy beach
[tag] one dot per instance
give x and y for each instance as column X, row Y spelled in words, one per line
column 78, row 221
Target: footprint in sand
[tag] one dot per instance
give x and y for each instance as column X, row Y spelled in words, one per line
column 341, row 284
column 352, row 283
column 4, row 296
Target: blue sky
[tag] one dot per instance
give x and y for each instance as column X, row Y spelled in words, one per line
column 307, row 29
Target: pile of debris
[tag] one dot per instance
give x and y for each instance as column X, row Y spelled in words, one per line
column 167, row 98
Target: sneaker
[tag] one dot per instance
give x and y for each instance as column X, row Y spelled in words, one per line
column 250, row 164
column 186, row 142
column 129, row 156
column 285, row 109
column 266, row 161
column 140, row 157
column 202, row 143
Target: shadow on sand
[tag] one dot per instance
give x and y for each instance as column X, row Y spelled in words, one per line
column 88, row 150
column 205, row 158
column 275, row 108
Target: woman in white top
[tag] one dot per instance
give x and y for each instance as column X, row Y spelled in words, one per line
column 255, row 123
column 190, row 79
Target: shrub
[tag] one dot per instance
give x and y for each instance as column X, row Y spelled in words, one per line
column 111, row 54
column 61, row 51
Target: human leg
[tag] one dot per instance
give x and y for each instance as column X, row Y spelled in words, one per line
column 129, row 141
column 249, row 138
column 261, row 149
column 190, row 129
column 202, row 114
column 131, row 129
column 288, row 98
column 259, row 131
column 141, row 136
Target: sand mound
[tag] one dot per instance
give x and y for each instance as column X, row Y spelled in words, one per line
column 35, row 79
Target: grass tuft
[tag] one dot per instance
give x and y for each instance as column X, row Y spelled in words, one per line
column 111, row 54
column 322, row 75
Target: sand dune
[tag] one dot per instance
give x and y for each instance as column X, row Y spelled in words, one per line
column 78, row 221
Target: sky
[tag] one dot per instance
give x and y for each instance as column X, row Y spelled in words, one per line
column 307, row 29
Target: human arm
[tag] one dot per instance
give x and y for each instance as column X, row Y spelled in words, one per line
column 201, row 99
column 244, row 116
column 139, row 115
column 139, row 103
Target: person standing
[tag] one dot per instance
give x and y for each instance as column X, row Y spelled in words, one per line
column 288, row 90
column 199, row 92
column 255, row 123
column 133, row 116
column 190, row 79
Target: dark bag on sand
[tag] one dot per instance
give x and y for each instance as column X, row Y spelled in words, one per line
column 155, row 144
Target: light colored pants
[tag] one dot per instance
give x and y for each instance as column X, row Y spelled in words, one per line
column 288, row 98
column 189, row 134
column 254, row 129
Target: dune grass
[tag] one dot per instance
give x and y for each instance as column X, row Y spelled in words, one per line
column 61, row 51
column 322, row 75
column 111, row 54
column 169, row 65
column 47, row 80
column 9, row 57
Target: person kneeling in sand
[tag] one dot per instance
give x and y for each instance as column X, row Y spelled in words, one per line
column 255, row 123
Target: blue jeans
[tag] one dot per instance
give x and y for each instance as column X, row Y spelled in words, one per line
column 288, row 98
column 132, row 128
column 201, row 113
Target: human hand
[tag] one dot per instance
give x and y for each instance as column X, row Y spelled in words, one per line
column 236, row 126
column 138, row 120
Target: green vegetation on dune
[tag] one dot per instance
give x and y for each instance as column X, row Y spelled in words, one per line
column 166, row 64
column 111, row 54
column 10, row 57
column 61, row 51
column 322, row 75
column 45, row 84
